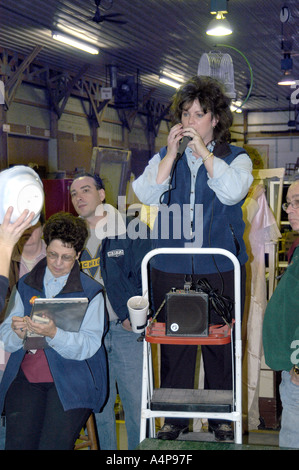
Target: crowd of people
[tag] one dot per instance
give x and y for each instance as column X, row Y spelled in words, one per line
column 91, row 256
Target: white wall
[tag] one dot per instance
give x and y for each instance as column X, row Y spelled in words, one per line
column 25, row 114
column 283, row 147
column 282, row 150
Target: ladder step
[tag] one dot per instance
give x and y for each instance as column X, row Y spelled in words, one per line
column 171, row 399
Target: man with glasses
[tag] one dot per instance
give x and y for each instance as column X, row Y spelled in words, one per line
column 281, row 333
column 113, row 257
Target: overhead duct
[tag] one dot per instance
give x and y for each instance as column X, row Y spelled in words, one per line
column 113, row 75
column 125, row 89
column 126, row 93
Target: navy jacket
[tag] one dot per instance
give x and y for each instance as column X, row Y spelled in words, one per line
column 120, row 262
column 80, row 384
column 3, row 290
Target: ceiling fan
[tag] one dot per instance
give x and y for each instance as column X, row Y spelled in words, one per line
column 111, row 17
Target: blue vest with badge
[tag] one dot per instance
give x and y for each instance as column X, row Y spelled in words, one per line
column 79, row 383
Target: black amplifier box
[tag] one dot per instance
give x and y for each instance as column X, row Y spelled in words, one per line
column 187, row 313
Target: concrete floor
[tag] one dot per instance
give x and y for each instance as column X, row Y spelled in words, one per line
column 257, row 439
column 262, row 439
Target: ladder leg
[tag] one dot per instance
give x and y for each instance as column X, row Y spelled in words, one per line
column 238, row 383
column 147, row 390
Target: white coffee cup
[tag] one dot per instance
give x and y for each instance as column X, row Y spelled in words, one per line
column 138, row 311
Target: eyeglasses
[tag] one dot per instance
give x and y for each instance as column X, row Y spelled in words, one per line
column 64, row 258
column 294, row 204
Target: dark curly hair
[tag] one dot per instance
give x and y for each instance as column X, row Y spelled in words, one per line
column 69, row 229
column 97, row 179
column 210, row 94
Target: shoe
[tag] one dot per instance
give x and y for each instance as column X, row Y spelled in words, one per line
column 222, row 432
column 171, row 432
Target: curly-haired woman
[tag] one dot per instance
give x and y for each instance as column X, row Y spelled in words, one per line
column 48, row 394
column 203, row 189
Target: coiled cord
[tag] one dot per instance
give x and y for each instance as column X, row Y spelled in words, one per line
column 221, row 304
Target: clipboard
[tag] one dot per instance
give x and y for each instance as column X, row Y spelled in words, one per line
column 67, row 314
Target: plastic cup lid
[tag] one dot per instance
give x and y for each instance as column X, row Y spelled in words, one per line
column 21, row 188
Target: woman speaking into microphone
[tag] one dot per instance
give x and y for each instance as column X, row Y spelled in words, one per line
column 211, row 178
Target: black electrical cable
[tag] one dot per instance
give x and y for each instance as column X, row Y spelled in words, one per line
column 170, row 188
column 221, row 304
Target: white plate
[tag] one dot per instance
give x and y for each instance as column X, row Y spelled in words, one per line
column 21, row 188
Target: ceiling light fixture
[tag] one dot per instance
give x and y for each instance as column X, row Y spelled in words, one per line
column 236, row 106
column 219, row 26
column 75, row 42
column 287, row 78
column 169, row 81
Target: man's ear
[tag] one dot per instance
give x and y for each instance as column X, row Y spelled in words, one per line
column 102, row 194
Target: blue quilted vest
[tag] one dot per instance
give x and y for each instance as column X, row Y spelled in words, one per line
column 215, row 225
column 80, row 384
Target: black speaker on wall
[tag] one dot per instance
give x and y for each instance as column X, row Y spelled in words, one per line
column 187, row 313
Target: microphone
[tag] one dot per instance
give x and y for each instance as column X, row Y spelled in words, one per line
column 182, row 146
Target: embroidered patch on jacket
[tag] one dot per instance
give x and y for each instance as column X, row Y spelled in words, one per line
column 115, row 253
column 91, row 264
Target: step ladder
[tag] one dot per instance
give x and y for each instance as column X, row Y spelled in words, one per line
column 208, row 404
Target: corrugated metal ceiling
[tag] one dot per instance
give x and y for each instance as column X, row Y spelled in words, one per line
column 159, row 36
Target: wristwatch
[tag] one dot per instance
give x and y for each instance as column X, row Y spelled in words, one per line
column 296, row 369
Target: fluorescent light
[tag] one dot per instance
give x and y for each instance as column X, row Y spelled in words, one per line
column 219, row 26
column 75, row 43
column 169, row 81
column 287, row 80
